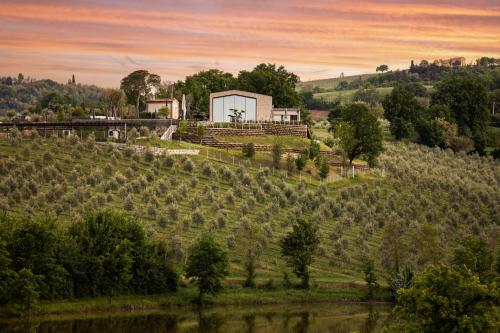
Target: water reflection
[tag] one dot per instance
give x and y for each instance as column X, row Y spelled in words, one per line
column 335, row 318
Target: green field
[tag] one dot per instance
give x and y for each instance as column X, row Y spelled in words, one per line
column 330, row 84
column 284, row 141
column 345, row 96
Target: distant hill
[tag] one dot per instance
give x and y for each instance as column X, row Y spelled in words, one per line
column 332, row 83
column 27, row 96
column 323, row 94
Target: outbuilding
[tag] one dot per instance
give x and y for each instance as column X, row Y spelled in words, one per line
column 172, row 104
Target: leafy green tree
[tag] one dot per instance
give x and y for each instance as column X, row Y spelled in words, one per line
column 268, row 79
column 473, row 255
column 137, row 85
column 393, row 249
column 324, row 168
column 182, row 129
column 403, row 111
column 39, row 246
column 301, row 162
column 467, row 99
column 251, row 240
column 277, row 151
column 114, row 100
column 207, row 265
column 314, row 149
column 249, row 150
column 200, row 131
column 382, row 68
column 200, row 85
column 7, row 275
column 298, row 248
column 359, row 133
column 26, row 291
column 290, row 164
column 370, row 277
column 443, row 300
column 118, row 264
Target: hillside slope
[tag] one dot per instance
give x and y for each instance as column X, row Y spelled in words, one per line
column 425, row 202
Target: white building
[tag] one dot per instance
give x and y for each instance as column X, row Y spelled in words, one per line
column 154, row 105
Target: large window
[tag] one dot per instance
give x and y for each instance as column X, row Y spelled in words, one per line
column 223, row 108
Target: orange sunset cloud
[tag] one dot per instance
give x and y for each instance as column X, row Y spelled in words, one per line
column 101, row 41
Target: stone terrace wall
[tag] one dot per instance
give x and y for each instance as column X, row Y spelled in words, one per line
column 263, row 129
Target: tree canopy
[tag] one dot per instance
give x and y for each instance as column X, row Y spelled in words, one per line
column 443, row 300
column 467, row 99
column 298, row 248
column 403, row 111
column 137, row 85
column 268, row 79
column 358, row 131
column 200, row 85
column 207, row 265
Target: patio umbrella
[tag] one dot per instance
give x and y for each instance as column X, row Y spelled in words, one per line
column 183, row 106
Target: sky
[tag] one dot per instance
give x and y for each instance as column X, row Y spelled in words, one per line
column 102, row 41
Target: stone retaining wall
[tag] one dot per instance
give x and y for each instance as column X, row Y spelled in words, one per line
column 256, row 130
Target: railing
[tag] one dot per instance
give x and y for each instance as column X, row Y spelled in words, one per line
column 169, row 132
column 245, row 124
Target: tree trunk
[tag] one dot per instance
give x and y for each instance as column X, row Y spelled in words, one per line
column 137, row 106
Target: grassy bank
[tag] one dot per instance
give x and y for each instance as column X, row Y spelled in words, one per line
column 186, row 296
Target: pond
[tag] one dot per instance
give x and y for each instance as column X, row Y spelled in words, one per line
column 325, row 317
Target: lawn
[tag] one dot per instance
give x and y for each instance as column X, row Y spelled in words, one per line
column 331, row 83
column 345, row 96
column 285, row 141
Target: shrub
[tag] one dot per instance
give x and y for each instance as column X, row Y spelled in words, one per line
column 277, row 151
column 207, row 170
column 290, row 164
column 173, row 212
column 144, row 131
column 128, row 203
column 229, row 197
column 197, row 217
column 187, row 165
column 168, row 161
column 221, row 221
column 151, row 210
column 231, row 242
column 249, row 150
column 149, row 156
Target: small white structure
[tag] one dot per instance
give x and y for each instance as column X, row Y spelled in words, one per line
column 155, row 105
column 104, row 118
column 286, row 114
column 114, row 133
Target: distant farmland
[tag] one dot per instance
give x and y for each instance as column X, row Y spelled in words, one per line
column 331, row 84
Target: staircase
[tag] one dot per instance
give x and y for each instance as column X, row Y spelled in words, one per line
column 167, row 135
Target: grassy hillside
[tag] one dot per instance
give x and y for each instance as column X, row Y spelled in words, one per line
column 330, row 84
column 345, row 96
column 433, row 198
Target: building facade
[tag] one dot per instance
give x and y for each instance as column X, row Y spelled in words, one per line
column 452, row 62
column 237, row 105
column 155, row 105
